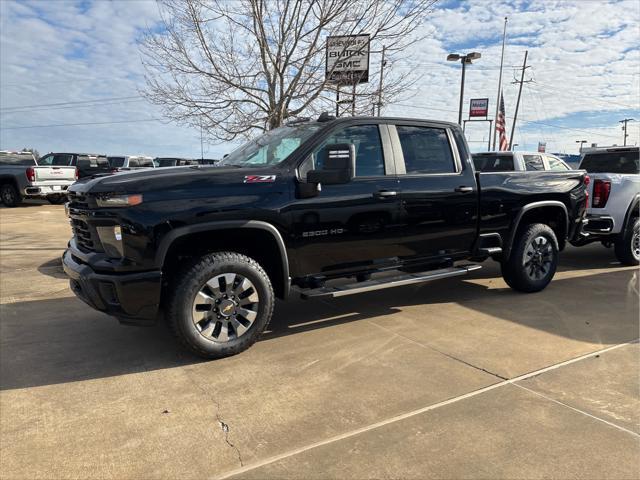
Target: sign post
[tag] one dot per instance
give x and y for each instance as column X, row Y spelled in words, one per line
column 347, row 63
column 479, row 107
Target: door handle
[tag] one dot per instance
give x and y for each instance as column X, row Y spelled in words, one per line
column 385, row 193
column 463, row 189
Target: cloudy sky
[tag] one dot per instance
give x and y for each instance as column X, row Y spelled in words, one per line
column 70, row 74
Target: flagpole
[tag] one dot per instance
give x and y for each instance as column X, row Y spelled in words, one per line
column 504, row 36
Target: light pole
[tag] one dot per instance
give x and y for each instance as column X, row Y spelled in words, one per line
column 464, row 59
column 624, row 129
column 581, row 142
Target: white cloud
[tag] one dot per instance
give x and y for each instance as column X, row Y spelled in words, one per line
column 585, row 60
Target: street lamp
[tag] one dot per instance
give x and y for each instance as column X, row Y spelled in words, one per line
column 581, row 142
column 464, row 59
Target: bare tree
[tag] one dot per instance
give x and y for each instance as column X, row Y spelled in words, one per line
column 234, row 67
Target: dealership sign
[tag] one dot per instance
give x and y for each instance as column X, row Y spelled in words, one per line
column 479, row 107
column 542, row 147
column 347, row 59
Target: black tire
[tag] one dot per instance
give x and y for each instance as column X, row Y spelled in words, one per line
column 10, row 196
column 193, row 280
column 627, row 246
column 57, row 199
column 533, row 273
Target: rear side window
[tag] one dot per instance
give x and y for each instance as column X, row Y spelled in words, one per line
column 368, row 146
column 425, row 150
column 116, row 162
column 611, row 162
column 493, row 163
column 146, row 162
column 533, row 162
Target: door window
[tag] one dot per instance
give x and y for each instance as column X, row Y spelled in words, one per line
column 368, row 147
column 556, row 164
column 533, row 162
column 426, row 150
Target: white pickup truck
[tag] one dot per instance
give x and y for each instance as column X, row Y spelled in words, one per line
column 21, row 177
column 614, row 193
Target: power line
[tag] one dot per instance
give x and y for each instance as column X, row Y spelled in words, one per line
column 64, row 107
column 78, row 102
column 84, row 123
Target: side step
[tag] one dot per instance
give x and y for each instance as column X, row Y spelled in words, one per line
column 395, row 281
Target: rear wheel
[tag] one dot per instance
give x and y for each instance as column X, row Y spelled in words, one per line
column 221, row 305
column 533, row 260
column 10, row 196
column 627, row 247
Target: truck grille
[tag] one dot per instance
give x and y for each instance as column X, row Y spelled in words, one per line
column 82, row 232
column 77, row 200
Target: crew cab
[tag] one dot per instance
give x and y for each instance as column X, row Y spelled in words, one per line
column 615, row 200
column 22, row 177
column 302, row 208
column 506, row 161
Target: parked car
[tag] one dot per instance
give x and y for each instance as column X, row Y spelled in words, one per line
column 174, row 162
column 130, row 162
column 306, row 205
column 614, row 190
column 517, row 161
column 88, row 164
column 21, row 177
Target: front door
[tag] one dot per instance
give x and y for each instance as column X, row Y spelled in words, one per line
column 439, row 198
column 349, row 227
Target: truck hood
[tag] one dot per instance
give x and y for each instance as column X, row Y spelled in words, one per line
column 175, row 178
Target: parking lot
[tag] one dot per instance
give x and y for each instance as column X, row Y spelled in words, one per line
column 451, row 379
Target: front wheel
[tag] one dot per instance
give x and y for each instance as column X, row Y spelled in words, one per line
column 10, row 196
column 627, row 247
column 533, row 260
column 221, row 304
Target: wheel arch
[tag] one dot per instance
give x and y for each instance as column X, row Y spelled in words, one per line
column 632, row 211
column 266, row 246
column 550, row 212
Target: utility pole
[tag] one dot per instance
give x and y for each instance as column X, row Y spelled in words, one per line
column 624, row 129
column 201, row 143
column 382, row 64
column 521, row 82
column 504, row 36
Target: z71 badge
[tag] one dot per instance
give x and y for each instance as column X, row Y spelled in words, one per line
column 259, row 178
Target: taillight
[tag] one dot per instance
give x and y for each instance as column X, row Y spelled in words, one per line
column 587, row 181
column 77, row 174
column 601, row 190
column 31, row 174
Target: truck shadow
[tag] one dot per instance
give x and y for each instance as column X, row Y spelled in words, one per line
column 62, row 340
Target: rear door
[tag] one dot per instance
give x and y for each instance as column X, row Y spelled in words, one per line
column 438, row 198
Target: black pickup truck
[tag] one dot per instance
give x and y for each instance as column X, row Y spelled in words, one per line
column 303, row 207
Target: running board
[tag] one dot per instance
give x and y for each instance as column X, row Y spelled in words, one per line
column 395, row 281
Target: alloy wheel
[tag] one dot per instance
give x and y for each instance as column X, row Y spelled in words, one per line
column 225, row 307
column 538, row 257
column 635, row 244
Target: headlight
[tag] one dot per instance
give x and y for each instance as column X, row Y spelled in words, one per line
column 111, row 239
column 119, row 200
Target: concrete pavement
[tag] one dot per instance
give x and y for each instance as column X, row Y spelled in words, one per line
column 429, row 381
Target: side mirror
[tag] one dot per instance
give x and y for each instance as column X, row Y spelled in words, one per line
column 338, row 166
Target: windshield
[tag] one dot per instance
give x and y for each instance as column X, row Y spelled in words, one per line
column 17, row 159
column 493, row 163
column 270, row 148
column 611, row 162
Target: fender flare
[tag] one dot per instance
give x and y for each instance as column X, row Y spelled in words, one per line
column 527, row 208
column 635, row 203
column 176, row 233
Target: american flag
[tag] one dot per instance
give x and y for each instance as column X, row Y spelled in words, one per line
column 500, row 126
